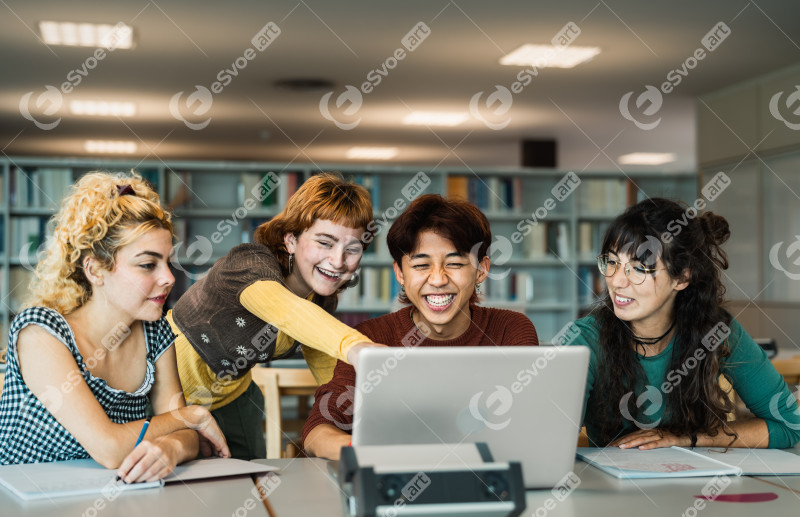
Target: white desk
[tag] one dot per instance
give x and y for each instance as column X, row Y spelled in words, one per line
column 601, row 495
column 216, row 498
column 308, row 488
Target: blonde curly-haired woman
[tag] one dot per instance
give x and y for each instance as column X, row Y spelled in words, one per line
column 92, row 348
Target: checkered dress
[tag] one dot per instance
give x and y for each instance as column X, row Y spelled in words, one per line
column 28, row 432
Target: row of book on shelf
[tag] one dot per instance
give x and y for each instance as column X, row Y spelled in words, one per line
column 257, row 189
column 532, row 240
column 45, row 187
column 38, row 187
column 375, row 285
column 590, row 285
column 515, row 286
column 606, row 196
column 590, row 238
column 28, row 234
column 493, row 194
column 372, row 183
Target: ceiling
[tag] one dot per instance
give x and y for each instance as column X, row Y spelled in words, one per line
column 181, row 44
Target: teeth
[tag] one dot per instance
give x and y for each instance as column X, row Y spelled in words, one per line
column 624, row 300
column 331, row 274
column 439, row 300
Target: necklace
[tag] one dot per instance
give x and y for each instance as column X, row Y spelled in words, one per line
column 646, row 341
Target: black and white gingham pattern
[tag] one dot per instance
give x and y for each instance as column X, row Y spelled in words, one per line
column 28, row 432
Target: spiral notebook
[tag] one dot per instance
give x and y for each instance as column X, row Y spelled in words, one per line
column 87, row 477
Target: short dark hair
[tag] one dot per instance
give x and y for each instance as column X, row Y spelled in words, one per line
column 459, row 221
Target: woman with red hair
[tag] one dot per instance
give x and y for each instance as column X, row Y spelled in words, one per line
column 263, row 300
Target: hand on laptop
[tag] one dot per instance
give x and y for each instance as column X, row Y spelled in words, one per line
column 352, row 355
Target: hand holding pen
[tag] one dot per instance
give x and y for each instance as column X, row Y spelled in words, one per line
column 150, row 462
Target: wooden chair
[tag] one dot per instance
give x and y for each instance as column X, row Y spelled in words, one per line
column 583, row 438
column 275, row 383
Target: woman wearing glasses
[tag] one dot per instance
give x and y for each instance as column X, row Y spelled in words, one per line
column 660, row 340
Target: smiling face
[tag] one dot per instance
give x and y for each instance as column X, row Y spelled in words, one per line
column 140, row 281
column 648, row 307
column 439, row 281
column 326, row 256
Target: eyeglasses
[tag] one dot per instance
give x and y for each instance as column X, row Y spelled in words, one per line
column 634, row 270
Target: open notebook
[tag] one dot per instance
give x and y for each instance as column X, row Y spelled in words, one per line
column 698, row 462
column 87, row 477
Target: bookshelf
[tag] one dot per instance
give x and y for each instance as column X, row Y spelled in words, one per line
column 546, row 224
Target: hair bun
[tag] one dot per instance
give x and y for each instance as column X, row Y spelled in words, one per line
column 715, row 227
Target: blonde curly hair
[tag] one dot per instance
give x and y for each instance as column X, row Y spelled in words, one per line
column 102, row 213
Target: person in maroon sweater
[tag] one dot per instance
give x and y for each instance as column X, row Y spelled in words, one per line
column 439, row 247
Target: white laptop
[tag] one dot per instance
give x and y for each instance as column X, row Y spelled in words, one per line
column 524, row 402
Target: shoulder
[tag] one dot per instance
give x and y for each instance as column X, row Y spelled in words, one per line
column 736, row 338
column 159, row 337
column 588, row 324
column 42, row 328
column 249, row 251
column 249, row 261
column 584, row 331
column 501, row 326
column 735, row 330
column 503, row 316
column 247, row 257
column 49, row 319
column 384, row 329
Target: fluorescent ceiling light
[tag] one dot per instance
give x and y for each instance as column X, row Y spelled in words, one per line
column 110, row 146
column 372, row 153
column 103, row 108
column 646, row 158
column 87, row 34
column 435, row 118
column 543, row 56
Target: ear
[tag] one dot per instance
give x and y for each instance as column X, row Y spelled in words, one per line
column 681, row 283
column 93, row 271
column 290, row 240
column 483, row 269
column 398, row 272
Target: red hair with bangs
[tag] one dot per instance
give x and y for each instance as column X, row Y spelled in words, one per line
column 326, row 196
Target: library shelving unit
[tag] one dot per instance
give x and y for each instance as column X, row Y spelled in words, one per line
column 546, row 224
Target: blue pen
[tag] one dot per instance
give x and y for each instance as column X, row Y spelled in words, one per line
column 141, row 434
column 139, row 440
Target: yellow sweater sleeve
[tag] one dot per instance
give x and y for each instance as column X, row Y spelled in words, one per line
column 301, row 319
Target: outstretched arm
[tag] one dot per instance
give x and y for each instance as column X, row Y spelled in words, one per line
column 303, row 320
column 753, row 434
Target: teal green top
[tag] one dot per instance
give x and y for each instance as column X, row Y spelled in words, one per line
column 754, row 378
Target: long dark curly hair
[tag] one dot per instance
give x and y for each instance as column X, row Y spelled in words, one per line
column 689, row 245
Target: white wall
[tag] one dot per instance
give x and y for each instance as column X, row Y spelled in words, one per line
column 751, row 131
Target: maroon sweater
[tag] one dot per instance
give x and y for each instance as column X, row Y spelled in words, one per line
column 489, row 327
